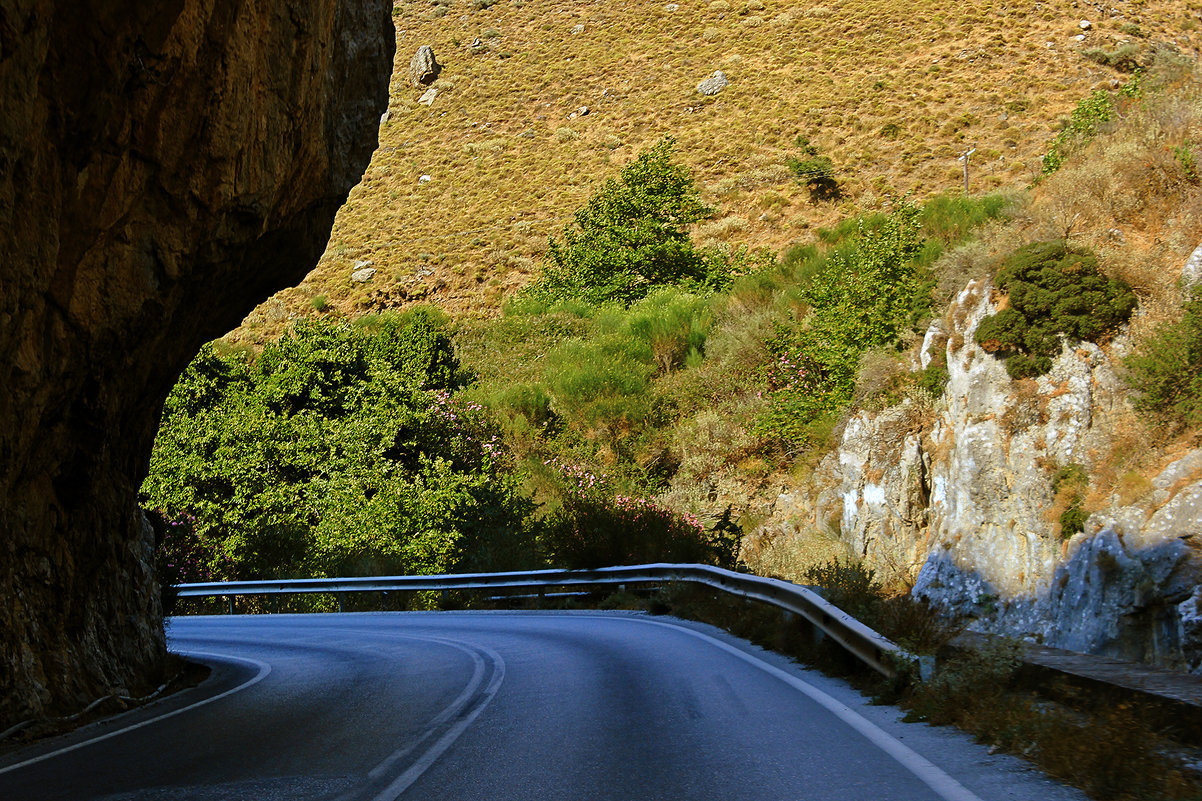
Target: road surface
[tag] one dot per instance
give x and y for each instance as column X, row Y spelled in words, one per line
column 505, row 707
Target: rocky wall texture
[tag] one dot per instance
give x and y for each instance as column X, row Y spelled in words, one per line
column 164, row 166
column 957, row 497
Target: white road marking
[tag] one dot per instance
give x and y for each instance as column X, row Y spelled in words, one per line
column 926, row 772
column 263, row 667
column 479, row 655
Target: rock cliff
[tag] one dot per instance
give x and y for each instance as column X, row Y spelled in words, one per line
column 960, row 498
column 164, row 166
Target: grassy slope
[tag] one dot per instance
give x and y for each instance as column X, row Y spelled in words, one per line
column 508, row 164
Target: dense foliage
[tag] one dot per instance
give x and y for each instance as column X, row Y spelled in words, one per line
column 338, row 451
column 631, row 236
column 594, row 528
column 861, row 295
column 1167, row 369
column 1085, row 121
column 1054, row 291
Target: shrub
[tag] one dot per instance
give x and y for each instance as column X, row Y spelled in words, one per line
column 1069, row 483
column 951, row 218
column 1166, row 369
column 849, row 585
column 1124, row 58
column 934, row 379
column 815, row 171
column 326, row 457
column 1084, row 123
column 181, row 556
column 1184, row 156
column 865, row 293
column 1054, row 290
column 595, row 529
column 630, row 237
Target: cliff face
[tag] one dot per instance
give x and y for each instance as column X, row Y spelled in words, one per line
column 959, row 498
column 164, row 166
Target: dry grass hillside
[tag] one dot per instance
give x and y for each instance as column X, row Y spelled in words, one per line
column 892, row 92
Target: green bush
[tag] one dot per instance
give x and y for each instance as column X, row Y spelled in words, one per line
column 1054, row 290
column 1184, row 156
column 951, row 218
column 631, row 236
column 849, row 585
column 1072, row 480
column 864, row 294
column 1166, row 369
column 1086, row 121
column 1124, row 58
column 934, row 379
column 325, row 456
column 815, row 171
column 596, row 529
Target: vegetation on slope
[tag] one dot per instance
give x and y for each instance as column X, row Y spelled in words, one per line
column 890, row 94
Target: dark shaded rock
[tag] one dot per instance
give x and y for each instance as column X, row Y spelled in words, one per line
column 164, row 166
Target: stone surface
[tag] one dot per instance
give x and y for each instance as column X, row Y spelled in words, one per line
column 427, row 98
column 957, row 497
column 1191, row 274
column 164, row 166
column 423, row 67
column 363, row 275
column 1190, row 614
column 713, row 84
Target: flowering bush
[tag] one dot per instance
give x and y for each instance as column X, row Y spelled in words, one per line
column 181, row 556
column 340, row 450
column 596, row 529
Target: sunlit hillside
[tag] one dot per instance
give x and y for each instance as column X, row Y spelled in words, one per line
column 462, row 194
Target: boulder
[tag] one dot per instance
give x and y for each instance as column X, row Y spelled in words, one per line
column 713, row 84
column 423, row 67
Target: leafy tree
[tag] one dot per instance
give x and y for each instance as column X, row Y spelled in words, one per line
column 329, row 455
column 631, row 236
column 864, row 294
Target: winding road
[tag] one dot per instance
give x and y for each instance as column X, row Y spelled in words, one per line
column 500, row 706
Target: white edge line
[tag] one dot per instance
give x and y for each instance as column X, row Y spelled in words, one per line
column 263, row 667
column 423, row 763
column 926, row 772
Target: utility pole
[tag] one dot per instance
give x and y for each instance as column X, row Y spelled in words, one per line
column 964, row 158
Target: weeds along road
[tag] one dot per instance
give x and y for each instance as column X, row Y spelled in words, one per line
column 505, row 706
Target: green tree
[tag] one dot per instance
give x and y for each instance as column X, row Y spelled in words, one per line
column 631, row 236
column 331, row 455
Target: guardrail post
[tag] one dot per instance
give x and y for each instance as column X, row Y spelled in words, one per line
column 339, row 595
column 229, row 604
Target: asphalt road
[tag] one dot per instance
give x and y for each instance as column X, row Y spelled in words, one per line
column 498, row 706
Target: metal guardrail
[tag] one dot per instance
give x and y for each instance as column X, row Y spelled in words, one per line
column 862, row 642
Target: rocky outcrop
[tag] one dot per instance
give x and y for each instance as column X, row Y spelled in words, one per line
column 958, row 498
column 164, row 166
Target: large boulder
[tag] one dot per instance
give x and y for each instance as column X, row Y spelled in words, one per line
column 423, row 67
column 164, row 166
